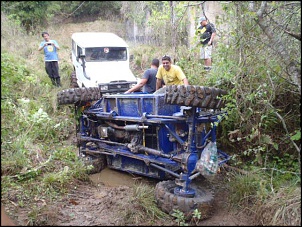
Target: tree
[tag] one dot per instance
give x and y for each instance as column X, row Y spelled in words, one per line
column 258, row 60
column 29, row 14
column 35, row 14
column 276, row 42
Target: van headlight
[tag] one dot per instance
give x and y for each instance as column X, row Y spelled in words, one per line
column 103, row 87
column 132, row 85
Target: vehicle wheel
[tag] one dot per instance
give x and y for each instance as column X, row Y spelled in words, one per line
column 76, row 95
column 192, row 95
column 73, row 80
column 168, row 201
column 98, row 163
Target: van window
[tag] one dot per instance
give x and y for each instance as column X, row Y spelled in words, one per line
column 80, row 51
column 74, row 48
column 101, row 54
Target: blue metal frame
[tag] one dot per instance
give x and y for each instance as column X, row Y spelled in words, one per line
column 175, row 151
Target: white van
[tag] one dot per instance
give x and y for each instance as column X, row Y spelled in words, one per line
column 101, row 60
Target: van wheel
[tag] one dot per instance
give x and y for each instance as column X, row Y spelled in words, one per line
column 78, row 95
column 193, row 95
column 73, row 80
column 168, row 201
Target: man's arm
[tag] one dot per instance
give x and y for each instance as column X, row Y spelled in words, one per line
column 158, row 83
column 212, row 38
column 138, row 86
column 41, row 47
column 56, row 45
column 186, row 82
column 181, row 76
column 58, row 48
column 213, row 29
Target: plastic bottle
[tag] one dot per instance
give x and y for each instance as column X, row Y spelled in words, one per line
column 208, row 162
column 213, row 162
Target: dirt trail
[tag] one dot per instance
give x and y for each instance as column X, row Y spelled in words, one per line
column 98, row 204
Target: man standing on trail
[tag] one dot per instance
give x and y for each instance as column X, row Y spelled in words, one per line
column 206, row 32
column 51, row 58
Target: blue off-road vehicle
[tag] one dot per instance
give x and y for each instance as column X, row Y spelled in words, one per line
column 160, row 135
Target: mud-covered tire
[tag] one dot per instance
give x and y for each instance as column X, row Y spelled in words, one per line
column 168, row 201
column 97, row 163
column 193, row 95
column 73, row 80
column 76, row 95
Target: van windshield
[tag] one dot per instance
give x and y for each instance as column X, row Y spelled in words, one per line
column 101, row 54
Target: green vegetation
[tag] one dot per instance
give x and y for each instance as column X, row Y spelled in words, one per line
column 33, row 15
column 143, row 200
column 262, row 130
column 181, row 220
column 271, row 198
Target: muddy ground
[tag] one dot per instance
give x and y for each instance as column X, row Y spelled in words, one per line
column 106, row 200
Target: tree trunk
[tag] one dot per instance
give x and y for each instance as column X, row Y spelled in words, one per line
column 292, row 66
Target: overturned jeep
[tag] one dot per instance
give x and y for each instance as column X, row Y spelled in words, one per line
column 169, row 135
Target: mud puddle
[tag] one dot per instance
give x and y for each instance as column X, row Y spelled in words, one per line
column 114, row 178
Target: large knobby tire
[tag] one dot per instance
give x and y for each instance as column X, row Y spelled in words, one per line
column 76, row 95
column 73, row 80
column 168, row 201
column 97, row 164
column 193, row 95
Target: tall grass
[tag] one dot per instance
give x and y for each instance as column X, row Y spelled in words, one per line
column 34, row 163
column 261, row 195
column 143, row 200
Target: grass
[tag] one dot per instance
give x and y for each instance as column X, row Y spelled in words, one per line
column 143, row 200
column 266, row 200
column 281, row 208
column 38, row 163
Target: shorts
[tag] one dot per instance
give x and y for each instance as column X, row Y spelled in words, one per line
column 205, row 52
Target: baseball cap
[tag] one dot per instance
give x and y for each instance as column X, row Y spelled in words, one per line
column 201, row 19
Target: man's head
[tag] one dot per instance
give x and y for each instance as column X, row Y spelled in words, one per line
column 155, row 62
column 202, row 21
column 166, row 61
column 45, row 35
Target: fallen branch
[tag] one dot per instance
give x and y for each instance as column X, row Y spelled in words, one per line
column 32, row 170
column 236, row 169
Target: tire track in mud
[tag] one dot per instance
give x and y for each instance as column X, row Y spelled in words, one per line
column 93, row 205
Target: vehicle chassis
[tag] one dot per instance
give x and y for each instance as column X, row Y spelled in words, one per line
column 142, row 134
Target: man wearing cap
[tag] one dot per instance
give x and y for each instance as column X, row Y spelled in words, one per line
column 206, row 32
